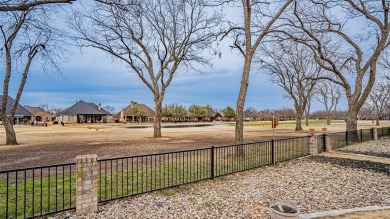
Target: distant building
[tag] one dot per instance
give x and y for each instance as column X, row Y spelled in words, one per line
column 38, row 114
column 135, row 112
column 82, row 112
column 22, row 115
column 211, row 115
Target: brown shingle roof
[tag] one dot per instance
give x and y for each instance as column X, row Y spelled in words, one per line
column 127, row 111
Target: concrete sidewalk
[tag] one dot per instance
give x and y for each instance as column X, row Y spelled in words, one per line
column 366, row 212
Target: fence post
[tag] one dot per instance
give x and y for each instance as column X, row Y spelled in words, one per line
column 273, row 151
column 313, row 145
column 328, row 145
column 212, row 162
column 324, row 141
column 361, row 135
column 374, row 134
column 346, row 138
column 86, row 184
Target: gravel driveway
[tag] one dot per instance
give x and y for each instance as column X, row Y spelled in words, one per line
column 313, row 184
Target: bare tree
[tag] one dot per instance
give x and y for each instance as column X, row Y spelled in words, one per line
column 379, row 100
column 291, row 67
column 259, row 19
column 25, row 37
column 155, row 38
column 308, row 108
column 25, row 5
column 351, row 56
column 109, row 109
column 329, row 94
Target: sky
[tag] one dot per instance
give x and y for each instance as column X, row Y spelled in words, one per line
column 92, row 76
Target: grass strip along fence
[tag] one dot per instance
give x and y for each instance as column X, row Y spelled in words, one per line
column 33, row 192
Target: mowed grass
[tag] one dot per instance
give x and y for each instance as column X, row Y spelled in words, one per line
column 29, row 197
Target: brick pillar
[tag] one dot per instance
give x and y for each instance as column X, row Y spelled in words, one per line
column 86, row 184
column 313, row 145
column 328, row 143
column 375, row 133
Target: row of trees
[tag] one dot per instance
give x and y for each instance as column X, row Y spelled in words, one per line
column 300, row 42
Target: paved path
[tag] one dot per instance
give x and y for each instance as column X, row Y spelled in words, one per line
column 357, row 157
column 368, row 211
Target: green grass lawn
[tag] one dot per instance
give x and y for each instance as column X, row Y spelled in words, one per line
column 35, row 197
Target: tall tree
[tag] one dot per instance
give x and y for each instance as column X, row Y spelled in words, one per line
column 229, row 112
column 26, row 36
column 154, row 38
column 259, row 19
column 379, row 100
column 351, row 56
column 291, row 67
column 329, row 94
column 199, row 111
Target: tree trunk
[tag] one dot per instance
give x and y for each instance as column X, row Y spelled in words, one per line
column 239, row 132
column 352, row 124
column 298, row 121
column 307, row 121
column 10, row 132
column 377, row 121
column 157, row 120
column 351, row 119
column 328, row 120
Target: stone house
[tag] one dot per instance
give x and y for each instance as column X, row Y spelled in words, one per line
column 38, row 114
column 82, row 112
column 135, row 112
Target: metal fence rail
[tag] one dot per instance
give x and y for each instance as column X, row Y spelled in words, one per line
column 122, row 177
column 39, row 191
column 383, row 131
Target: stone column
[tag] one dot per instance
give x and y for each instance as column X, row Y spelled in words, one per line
column 375, row 133
column 86, row 184
column 313, row 145
column 328, row 143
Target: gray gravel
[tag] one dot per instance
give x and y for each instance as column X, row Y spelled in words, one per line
column 376, row 148
column 313, row 184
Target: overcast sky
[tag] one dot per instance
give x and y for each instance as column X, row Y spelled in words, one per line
column 92, row 76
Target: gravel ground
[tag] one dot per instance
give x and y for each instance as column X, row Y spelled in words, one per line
column 313, row 184
column 379, row 148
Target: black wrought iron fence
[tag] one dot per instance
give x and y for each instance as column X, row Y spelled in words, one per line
column 383, row 131
column 122, row 177
column 39, row 191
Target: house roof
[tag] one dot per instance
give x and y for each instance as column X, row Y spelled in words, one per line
column 34, row 110
column 191, row 115
column 20, row 110
column 83, row 108
column 127, row 111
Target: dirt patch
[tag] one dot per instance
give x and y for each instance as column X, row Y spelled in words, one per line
column 56, row 144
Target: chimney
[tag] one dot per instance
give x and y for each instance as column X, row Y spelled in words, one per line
column 99, row 106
